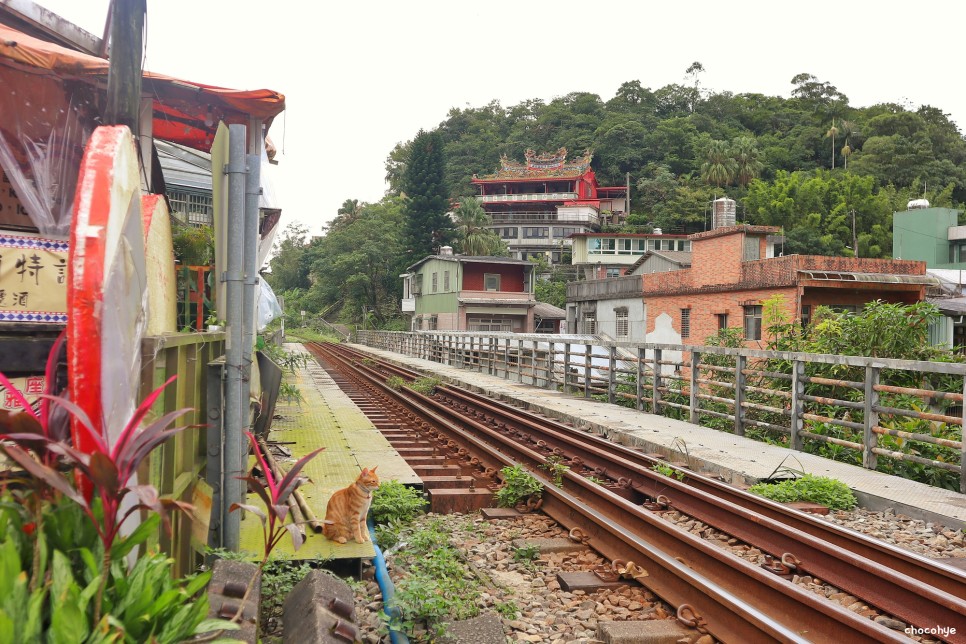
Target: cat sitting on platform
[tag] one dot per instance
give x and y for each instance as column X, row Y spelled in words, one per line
column 345, row 515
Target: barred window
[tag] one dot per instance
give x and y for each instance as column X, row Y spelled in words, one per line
column 446, row 281
column 590, row 323
column 196, row 209
column 435, row 282
column 685, row 323
column 622, row 327
column 752, row 323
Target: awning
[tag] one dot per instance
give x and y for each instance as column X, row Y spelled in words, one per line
column 874, row 278
column 496, row 310
column 184, row 112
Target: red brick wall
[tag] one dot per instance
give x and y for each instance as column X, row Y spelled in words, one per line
column 511, row 277
column 717, row 260
column 706, row 307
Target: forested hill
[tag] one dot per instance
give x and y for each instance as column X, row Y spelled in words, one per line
column 805, row 162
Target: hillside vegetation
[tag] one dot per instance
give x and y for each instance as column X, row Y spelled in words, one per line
column 811, row 163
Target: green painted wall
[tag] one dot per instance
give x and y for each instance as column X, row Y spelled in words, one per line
column 443, row 300
column 923, row 235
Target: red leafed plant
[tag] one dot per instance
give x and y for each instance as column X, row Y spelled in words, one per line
column 275, row 496
column 108, row 470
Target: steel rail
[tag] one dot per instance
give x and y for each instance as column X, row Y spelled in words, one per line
column 920, row 569
column 921, row 573
column 794, row 614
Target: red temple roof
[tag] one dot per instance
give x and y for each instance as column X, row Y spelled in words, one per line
column 552, row 165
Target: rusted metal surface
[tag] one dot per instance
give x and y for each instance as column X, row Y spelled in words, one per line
column 611, row 522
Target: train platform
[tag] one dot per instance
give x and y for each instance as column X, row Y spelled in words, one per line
column 325, row 417
column 737, row 460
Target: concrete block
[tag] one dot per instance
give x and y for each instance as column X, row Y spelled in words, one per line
column 485, row 629
column 549, row 545
column 319, row 610
column 226, row 590
column 655, row 631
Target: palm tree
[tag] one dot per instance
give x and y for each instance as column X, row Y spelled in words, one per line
column 719, row 169
column 748, row 167
column 847, row 131
column 472, row 235
column 832, row 132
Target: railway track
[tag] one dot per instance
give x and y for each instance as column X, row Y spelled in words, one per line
column 732, row 599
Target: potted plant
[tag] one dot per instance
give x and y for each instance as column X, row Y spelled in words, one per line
column 213, row 322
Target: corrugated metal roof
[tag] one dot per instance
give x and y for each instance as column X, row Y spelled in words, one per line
column 546, row 311
column 875, row 278
column 184, row 167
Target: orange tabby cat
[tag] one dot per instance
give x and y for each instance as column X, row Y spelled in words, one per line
column 345, row 515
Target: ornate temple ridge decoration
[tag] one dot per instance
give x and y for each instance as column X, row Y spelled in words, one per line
column 550, row 165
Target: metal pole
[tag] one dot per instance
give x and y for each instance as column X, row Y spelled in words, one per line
column 236, row 398
column 252, row 191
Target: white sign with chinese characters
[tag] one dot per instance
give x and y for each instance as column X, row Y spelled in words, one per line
column 33, row 279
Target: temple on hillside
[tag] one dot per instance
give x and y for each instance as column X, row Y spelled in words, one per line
column 535, row 206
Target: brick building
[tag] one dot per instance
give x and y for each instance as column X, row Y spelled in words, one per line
column 728, row 281
column 731, row 276
column 469, row 293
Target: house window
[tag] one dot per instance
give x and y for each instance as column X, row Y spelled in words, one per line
column 621, row 326
column 608, row 246
column 590, row 323
column 722, row 321
column 433, row 322
column 491, row 325
column 491, row 281
column 613, row 272
column 806, row 315
column 640, row 246
column 624, row 246
column 752, row 323
column 536, row 232
column 685, row 323
column 435, row 282
column 508, row 233
column 446, row 281
column 565, row 232
column 752, row 249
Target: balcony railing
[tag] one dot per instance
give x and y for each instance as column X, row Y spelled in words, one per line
column 602, row 289
column 530, row 196
column 524, row 218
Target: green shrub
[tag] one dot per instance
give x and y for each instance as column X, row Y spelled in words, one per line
column 518, row 486
column 395, row 382
column 815, row 489
column 424, row 386
column 393, row 502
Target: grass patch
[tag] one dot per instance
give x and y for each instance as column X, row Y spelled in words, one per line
column 438, row 585
column 424, row 386
column 814, row 489
column 518, row 486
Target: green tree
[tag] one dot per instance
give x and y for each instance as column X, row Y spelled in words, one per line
column 748, row 166
column 290, row 264
column 472, row 235
column 355, row 266
column 719, row 168
column 427, row 225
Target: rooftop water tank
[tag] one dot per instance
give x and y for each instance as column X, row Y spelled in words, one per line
column 917, row 204
column 723, row 212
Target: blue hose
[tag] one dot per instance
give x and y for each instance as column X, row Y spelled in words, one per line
column 387, row 588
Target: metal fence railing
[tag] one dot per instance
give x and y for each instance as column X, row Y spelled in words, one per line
column 177, row 467
column 899, row 416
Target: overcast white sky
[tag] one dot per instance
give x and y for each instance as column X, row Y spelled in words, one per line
column 360, row 76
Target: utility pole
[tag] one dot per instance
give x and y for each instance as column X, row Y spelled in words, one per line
column 124, row 72
column 855, row 239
